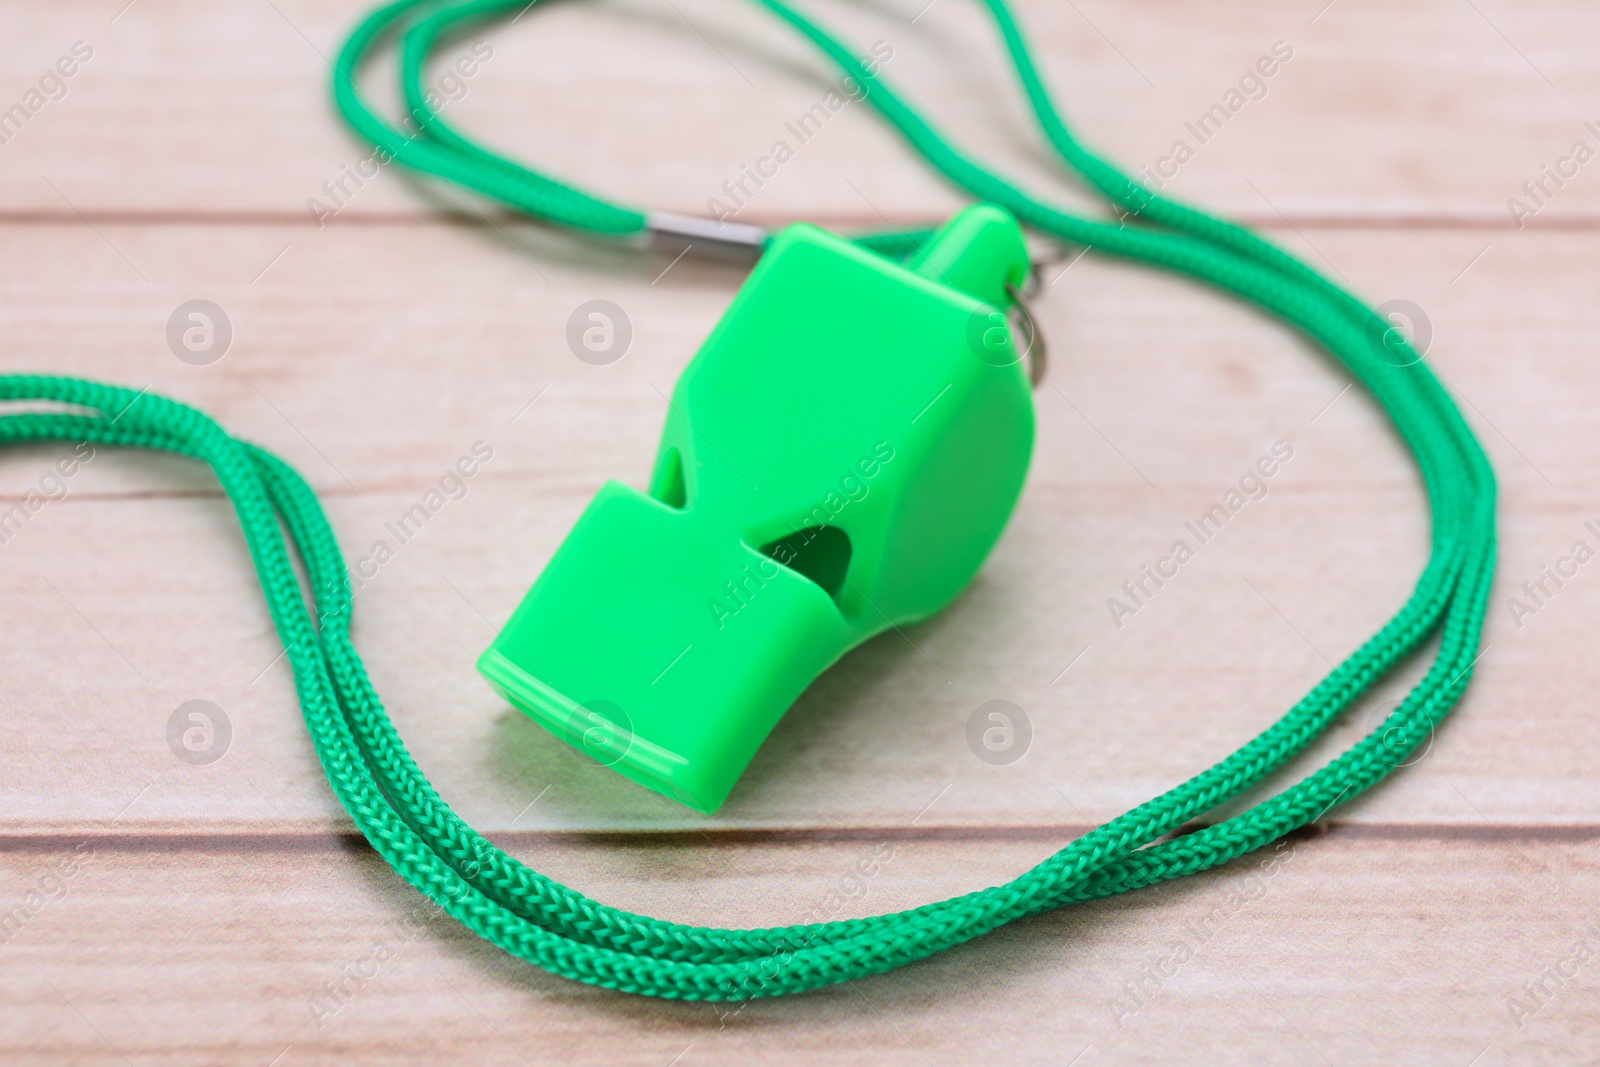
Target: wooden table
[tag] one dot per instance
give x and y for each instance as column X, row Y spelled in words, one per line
column 179, row 912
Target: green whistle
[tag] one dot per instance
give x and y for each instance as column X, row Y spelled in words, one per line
column 837, row 459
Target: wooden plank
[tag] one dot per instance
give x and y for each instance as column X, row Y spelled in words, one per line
column 373, row 356
column 1384, row 111
column 224, row 950
column 138, row 607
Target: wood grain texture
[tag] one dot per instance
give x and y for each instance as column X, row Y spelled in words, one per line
column 1352, row 947
column 215, row 902
column 189, row 106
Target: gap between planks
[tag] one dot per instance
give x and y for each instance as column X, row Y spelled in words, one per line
column 1494, row 221
column 710, row 837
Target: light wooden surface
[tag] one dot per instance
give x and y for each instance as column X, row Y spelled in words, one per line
column 212, row 904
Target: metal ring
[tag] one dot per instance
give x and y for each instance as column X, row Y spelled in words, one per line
column 1053, row 253
column 1035, row 279
column 1036, row 352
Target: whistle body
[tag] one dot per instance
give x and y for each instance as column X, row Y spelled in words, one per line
column 837, row 459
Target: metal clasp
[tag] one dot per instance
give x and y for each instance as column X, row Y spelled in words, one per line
column 717, row 238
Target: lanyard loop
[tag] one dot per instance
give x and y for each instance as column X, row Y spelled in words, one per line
column 1449, row 599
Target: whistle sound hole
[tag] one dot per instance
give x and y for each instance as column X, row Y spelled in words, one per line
column 670, row 488
column 820, row 553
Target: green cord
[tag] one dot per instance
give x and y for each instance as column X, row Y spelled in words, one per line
column 539, row 920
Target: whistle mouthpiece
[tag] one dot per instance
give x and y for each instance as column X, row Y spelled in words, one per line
column 837, row 459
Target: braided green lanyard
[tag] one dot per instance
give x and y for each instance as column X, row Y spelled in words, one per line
column 563, row 931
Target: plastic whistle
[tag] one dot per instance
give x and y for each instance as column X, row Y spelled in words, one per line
column 838, row 458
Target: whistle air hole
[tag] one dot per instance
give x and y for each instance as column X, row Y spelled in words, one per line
column 818, row 553
column 670, row 487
